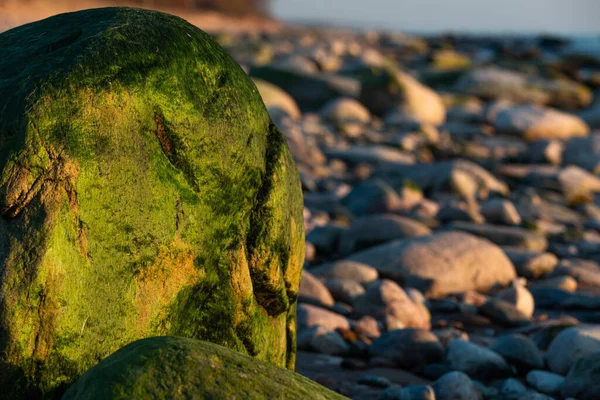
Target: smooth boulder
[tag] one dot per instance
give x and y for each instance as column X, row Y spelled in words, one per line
column 442, row 263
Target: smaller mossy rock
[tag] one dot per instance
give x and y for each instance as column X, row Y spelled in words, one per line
column 182, row 368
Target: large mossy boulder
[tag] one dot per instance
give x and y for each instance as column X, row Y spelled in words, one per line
column 182, row 368
column 143, row 191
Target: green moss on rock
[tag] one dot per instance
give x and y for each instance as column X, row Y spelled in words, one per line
column 144, row 191
column 183, row 368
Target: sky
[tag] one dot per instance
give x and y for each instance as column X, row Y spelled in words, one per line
column 574, row 17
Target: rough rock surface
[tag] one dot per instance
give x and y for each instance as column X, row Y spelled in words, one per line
column 144, row 191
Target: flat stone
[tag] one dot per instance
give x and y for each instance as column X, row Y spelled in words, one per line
column 519, row 351
column 512, row 389
column 309, row 315
column 408, row 348
column 476, row 361
column 420, row 392
column 455, row 385
column 531, row 264
column 344, row 269
column 534, row 123
column 504, row 313
column 344, row 290
column 500, row 211
column 442, row 263
column 505, row 235
column 377, row 229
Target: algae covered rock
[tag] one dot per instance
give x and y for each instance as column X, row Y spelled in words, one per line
column 144, row 191
column 183, row 368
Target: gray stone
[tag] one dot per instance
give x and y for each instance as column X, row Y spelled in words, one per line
column 375, row 381
column 417, row 392
column 344, row 269
column 512, row 389
column 476, row 361
column 372, row 197
column 535, row 396
column 392, row 393
column 295, row 63
column 329, row 343
column 544, row 381
column 519, row 351
column 323, row 340
column 585, row 272
column 375, row 154
column 344, row 290
column 497, row 83
column 455, row 385
column 551, row 298
column 572, row 344
column 442, row 175
column 504, row 313
column 408, row 348
column 544, row 332
column 583, row 152
column 564, row 282
column 500, row 211
column 442, row 263
column 545, row 151
column 325, row 238
column 310, row 90
column 377, row 229
column 505, row 235
column 583, row 375
column 531, row 264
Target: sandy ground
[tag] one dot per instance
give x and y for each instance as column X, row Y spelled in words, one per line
column 18, row 12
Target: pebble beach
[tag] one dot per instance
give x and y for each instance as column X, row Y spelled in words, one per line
column 451, row 187
column 451, row 209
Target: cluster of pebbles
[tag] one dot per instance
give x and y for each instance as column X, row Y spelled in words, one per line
column 452, row 211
